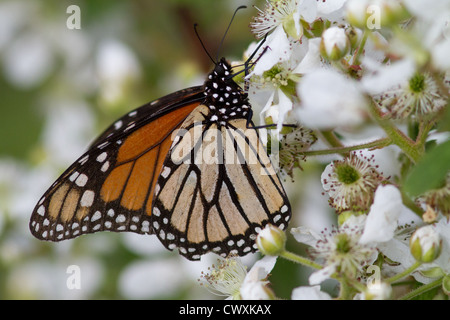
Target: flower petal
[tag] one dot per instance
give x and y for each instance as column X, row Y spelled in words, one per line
column 383, row 215
column 309, row 293
column 321, row 275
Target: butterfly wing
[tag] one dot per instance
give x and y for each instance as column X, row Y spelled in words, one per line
column 110, row 187
column 217, row 189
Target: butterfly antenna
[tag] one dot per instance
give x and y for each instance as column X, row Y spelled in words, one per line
column 226, row 31
column 249, row 63
column 203, row 45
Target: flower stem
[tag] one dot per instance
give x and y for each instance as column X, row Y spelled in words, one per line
column 361, row 47
column 301, row 260
column 397, row 137
column 331, row 138
column 422, row 289
column 404, row 273
column 380, row 143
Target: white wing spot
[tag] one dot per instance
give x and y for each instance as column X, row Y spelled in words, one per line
column 41, row 210
column 118, row 124
column 120, row 218
column 105, row 166
column 166, row 171
column 97, row 215
column 81, row 180
column 145, row 226
column 102, row 157
column 87, row 199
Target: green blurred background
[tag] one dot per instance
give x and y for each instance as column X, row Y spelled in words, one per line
column 59, row 88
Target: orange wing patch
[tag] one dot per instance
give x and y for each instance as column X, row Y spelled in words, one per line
column 140, row 160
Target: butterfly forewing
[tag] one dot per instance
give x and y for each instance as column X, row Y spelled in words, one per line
column 111, row 186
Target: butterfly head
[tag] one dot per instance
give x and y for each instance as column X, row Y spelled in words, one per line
column 224, row 97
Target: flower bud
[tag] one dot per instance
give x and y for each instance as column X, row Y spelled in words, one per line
column 354, row 35
column 425, row 244
column 271, row 240
column 335, row 43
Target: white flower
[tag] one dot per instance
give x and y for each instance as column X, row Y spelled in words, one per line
column 329, row 100
column 226, row 278
column 351, row 182
column 230, row 278
column 277, row 14
column 418, row 96
column 340, row 249
column 309, row 293
column 273, row 79
column 382, row 220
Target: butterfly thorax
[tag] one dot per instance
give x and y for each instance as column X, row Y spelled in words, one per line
column 224, row 97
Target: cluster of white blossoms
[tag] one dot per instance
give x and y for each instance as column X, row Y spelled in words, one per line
column 359, row 75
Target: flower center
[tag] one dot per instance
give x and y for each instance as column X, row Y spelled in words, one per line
column 347, row 174
column 417, row 83
column 343, row 243
column 276, row 76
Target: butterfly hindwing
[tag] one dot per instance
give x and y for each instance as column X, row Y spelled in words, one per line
column 217, row 189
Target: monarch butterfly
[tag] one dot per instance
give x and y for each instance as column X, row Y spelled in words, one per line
column 188, row 167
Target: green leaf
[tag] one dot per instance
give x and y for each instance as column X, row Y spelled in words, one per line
column 430, row 172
